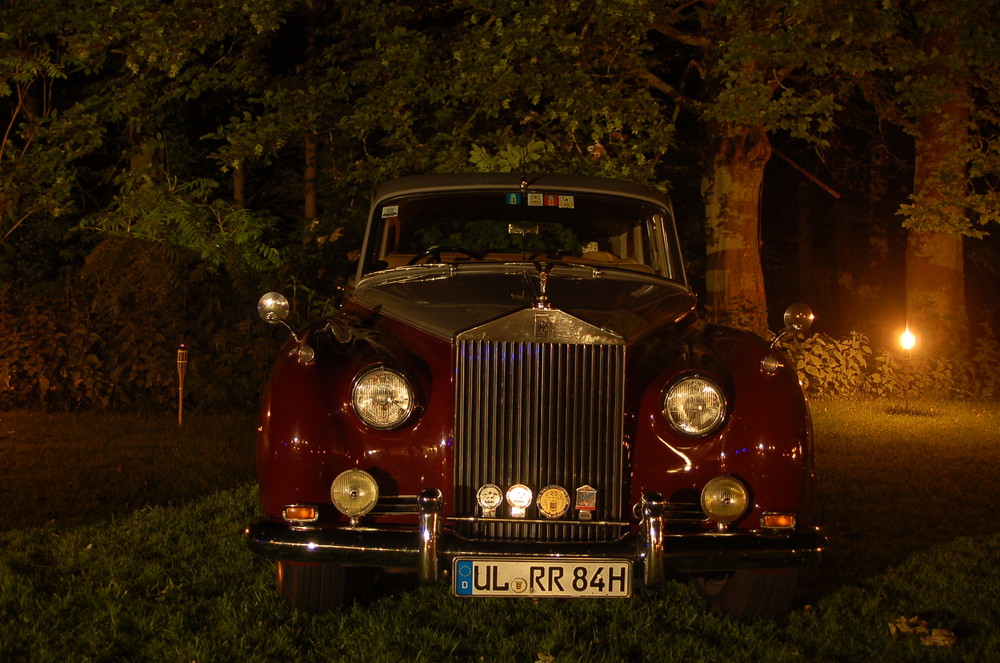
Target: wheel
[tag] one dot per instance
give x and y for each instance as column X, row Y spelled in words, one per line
column 750, row 594
column 436, row 251
column 320, row 587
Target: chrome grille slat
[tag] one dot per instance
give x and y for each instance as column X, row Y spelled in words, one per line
column 539, row 413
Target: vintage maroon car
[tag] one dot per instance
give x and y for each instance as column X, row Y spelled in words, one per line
column 518, row 395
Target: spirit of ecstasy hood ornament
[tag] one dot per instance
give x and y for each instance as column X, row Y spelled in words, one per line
column 543, row 283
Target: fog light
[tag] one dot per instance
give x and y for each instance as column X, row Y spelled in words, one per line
column 724, row 499
column 354, row 493
column 778, row 521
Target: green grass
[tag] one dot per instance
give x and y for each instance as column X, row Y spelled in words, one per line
column 906, row 498
column 891, row 484
column 70, row 469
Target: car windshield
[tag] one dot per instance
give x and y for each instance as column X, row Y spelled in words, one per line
column 493, row 226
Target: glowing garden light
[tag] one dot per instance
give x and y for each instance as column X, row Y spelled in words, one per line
column 907, row 341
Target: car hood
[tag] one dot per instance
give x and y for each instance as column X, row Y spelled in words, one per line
column 445, row 300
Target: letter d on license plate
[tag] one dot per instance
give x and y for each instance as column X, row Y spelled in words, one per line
column 541, row 577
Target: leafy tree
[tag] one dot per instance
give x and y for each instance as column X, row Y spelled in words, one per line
column 745, row 72
column 600, row 86
column 44, row 135
column 105, row 113
column 553, row 82
column 934, row 71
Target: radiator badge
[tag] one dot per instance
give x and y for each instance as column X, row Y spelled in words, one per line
column 489, row 498
column 586, row 502
column 519, row 498
column 543, row 325
column 553, row 501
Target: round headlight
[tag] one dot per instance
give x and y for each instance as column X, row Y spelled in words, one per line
column 354, row 492
column 694, row 405
column 724, row 499
column 382, row 398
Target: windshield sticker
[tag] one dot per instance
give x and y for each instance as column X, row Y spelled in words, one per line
column 513, row 199
column 543, row 200
column 390, row 211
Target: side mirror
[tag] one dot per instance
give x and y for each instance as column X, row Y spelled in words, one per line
column 273, row 309
column 798, row 318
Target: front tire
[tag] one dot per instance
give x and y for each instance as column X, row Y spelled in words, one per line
column 750, row 594
column 319, row 587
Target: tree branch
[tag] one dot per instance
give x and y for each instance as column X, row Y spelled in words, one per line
column 668, row 30
column 664, row 24
column 14, row 227
column 22, row 93
column 809, row 176
column 673, row 93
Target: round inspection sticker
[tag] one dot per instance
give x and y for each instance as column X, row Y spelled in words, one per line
column 553, row 501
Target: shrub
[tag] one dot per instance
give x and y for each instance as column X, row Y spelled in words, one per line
column 850, row 367
column 58, row 353
column 829, row 366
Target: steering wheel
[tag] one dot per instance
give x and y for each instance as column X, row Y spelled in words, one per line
column 436, row 251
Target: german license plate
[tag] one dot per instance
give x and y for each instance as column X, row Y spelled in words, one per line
column 542, row 577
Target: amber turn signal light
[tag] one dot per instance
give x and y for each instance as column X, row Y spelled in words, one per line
column 299, row 513
column 778, row 521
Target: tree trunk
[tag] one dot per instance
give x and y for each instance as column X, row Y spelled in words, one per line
column 935, row 291
column 731, row 190
column 311, row 201
column 935, row 278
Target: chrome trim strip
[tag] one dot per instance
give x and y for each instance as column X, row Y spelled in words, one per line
column 682, row 553
column 569, row 523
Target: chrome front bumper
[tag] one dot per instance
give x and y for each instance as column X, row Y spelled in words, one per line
column 428, row 549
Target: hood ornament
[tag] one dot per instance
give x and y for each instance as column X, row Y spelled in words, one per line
column 542, row 302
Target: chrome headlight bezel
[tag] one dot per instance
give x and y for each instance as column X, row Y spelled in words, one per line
column 694, row 405
column 382, row 398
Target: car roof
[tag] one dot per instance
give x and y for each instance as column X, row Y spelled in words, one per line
column 509, row 181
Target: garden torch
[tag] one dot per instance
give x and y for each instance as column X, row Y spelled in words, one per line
column 182, row 362
column 907, row 340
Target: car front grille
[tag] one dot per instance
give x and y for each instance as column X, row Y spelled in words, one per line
column 540, row 412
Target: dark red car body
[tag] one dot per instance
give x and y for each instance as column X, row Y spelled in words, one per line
column 586, row 408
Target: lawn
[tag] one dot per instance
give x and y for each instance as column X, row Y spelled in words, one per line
column 62, row 469
column 906, row 498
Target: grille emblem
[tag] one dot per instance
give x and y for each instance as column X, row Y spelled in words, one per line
column 542, row 303
column 542, row 325
column 489, row 498
column 586, row 502
column 553, row 501
column 519, row 499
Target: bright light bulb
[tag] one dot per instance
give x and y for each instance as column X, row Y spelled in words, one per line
column 907, row 340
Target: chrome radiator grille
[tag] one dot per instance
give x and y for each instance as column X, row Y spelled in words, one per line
column 539, row 413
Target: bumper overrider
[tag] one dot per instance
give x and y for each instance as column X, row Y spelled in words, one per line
column 430, row 548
